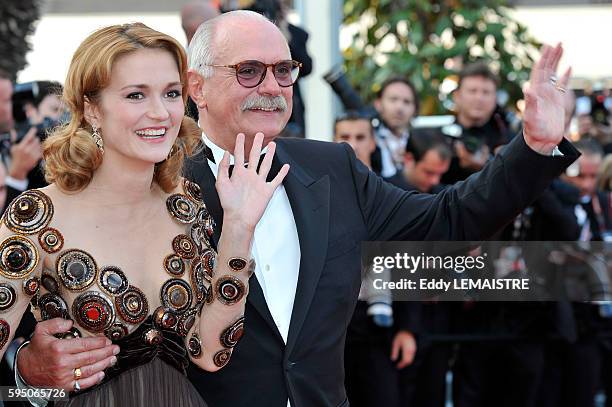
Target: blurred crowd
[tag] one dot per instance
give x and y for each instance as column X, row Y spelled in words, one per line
column 498, row 354
column 402, row 353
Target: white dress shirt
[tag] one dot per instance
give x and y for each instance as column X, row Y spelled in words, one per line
column 276, row 250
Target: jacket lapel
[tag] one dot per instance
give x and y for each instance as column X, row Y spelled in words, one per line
column 309, row 199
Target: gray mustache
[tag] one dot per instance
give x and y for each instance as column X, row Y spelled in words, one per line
column 264, row 102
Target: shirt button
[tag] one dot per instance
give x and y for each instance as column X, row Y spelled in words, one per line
column 267, row 267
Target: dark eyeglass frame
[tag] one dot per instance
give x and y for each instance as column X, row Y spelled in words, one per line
column 236, row 67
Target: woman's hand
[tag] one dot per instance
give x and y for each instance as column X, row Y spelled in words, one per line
column 245, row 195
column 545, row 105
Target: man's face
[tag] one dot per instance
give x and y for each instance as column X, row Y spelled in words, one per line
column 6, row 105
column 51, row 106
column 475, row 100
column 586, row 180
column 396, row 106
column 426, row 174
column 223, row 114
column 358, row 133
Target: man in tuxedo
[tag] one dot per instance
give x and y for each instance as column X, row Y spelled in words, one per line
column 307, row 244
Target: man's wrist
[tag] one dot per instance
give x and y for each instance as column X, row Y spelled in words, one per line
column 22, row 384
column 17, row 173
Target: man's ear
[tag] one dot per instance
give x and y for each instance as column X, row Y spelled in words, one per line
column 372, row 144
column 456, row 97
column 91, row 112
column 196, row 88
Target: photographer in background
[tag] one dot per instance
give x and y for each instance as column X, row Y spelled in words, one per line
column 396, row 104
column 480, row 126
column 7, row 135
column 37, row 108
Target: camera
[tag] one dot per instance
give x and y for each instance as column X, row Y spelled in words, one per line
column 336, row 78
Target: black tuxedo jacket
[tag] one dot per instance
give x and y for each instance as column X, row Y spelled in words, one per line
column 337, row 203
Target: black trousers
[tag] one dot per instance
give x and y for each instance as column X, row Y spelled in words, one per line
column 371, row 379
column 498, row 374
column 423, row 383
column 572, row 373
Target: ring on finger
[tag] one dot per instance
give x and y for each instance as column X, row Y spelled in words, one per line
column 553, row 80
column 77, row 386
column 77, row 373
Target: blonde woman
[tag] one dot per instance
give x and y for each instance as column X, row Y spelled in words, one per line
column 118, row 245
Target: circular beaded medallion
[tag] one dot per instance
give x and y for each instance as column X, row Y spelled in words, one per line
column 186, row 321
column 29, row 213
column 153, row 337
column 49, row 283
column 184, row 246
column 31, row 286
column 176, row 295
column 8, row 296
column 181, row 208
column 52, row 306
column 116, row 331
column 230, row 337
column 132, row 305
column 222, row 357
column 93, row 311
column 193, row 191
column 51, row 240
column 76, row 269
column 194, row 346
column 164, row 319
column 18, row 257
column 174, row 264
column 113, row 281
column 5, row 332
column 229, row 290
column 237, row 263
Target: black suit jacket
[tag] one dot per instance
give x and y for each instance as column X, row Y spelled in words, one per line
column 337, row 203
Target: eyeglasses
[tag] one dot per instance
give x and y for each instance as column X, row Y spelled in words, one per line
column 251, row 73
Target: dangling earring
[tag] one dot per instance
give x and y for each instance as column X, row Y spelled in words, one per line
column 97, row 138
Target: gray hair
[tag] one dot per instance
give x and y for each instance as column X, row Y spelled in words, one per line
column 201, row 52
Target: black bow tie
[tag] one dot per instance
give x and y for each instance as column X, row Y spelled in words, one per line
column 273, row 170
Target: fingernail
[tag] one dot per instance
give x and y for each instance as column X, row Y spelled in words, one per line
column 113, row 361
column 108, row 342
column 116, row 350
column 101, row 376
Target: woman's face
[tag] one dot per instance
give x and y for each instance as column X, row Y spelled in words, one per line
column 140, row 112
